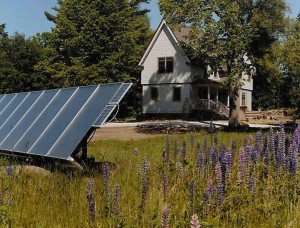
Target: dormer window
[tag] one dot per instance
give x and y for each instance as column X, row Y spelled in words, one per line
column 165, row 65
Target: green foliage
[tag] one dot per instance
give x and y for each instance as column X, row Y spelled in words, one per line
column 95, row 42
column 18, row 56
column 58, row 200
column 291, row 62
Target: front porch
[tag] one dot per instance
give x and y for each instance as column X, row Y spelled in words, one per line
column 210, row 97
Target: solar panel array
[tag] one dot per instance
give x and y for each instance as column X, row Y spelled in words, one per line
column 52, row 123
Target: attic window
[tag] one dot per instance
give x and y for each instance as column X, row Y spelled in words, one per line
column 165, row 65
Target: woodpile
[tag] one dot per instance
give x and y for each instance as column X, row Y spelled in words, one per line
column 170, row 127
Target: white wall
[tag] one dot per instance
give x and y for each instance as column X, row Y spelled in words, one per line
column 165, row 46
column 165, row 103
column 248, row 98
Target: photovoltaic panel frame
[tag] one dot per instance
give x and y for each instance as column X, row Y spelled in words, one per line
column 53, row 123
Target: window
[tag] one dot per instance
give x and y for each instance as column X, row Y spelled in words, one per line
column 154, row 93
column 202, row 92
column 165, row 65
column 243, row 99
column 176, row 93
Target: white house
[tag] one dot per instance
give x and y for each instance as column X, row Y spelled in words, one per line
column 171, row 84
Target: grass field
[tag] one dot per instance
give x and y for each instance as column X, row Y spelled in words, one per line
column 226, row 179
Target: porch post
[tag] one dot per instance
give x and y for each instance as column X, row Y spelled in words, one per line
column 228, row 98
column 208, row 97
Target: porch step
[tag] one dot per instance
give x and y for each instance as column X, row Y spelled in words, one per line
column 253, row 115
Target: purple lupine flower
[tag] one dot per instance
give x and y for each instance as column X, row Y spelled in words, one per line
column 195, row 221
column 222, row 152
column 92, row 207
column 228, row 165
column 248, row 151
column 265, row 143
column 90, row 199
column 164, row 185
column 266, row 156
column 89, row 187
column 221, row 190
column 116, row 201
column 208, row 195
column 192, row 193
column 145, row 182
column 272, row 144
column 252, row 183
column 214, row 156
column 200, row 159
column 212, row 127
column 218, row 172
column 254, row 155
column 205, row 144
column 167, row 149
column 9, row 171
column 165, row 217
column 106, row 184
column 175, row 148
column 281, row 144
column 257, row 146
column 242, row 163
column 233, row 145
column 192, row 139
column 215, row 140
column 198, row 146
column 183, row 151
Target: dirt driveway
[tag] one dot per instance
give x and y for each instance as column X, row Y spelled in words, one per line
column 119, row 133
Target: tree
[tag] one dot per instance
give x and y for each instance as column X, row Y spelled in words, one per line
column 224, row 33
column 96, row 41
column 18, row 56
column 291, row 62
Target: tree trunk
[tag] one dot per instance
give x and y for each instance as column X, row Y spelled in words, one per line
column 234, row 119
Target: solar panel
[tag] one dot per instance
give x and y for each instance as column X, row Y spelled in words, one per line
column 52, row 123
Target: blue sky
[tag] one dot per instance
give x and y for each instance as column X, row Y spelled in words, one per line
column 27, row 16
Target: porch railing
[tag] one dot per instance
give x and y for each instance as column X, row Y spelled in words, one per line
column 209, row 104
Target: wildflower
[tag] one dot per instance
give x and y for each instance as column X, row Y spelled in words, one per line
column 183, row 151
column 266, row 156
column 165, row 217
column 233, row 145
column 167, row 149
column 192, row 193
column 242, row 161
column 192, row 138
column 252, row 183
column 195, row 221
column 164, row 185
column 200, row 159
column 145, row 182
column 9, row 171
column 92, row 207
column 175, row 148
column 106, row 184
column 116, row 200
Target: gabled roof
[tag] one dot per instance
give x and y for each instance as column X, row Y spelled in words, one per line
column 178, row 36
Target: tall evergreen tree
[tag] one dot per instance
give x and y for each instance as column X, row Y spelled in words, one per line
column 18, row 56
column 95, row 41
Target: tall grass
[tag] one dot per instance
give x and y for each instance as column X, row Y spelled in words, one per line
column 207, row 179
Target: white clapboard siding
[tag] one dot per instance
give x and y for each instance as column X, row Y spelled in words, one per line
column 165, row 46
column 165, row 103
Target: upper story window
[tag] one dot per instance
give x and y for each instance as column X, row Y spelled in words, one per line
column 165, row 65
column 154, row 93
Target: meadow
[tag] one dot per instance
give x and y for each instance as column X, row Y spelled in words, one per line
column 205, row 179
